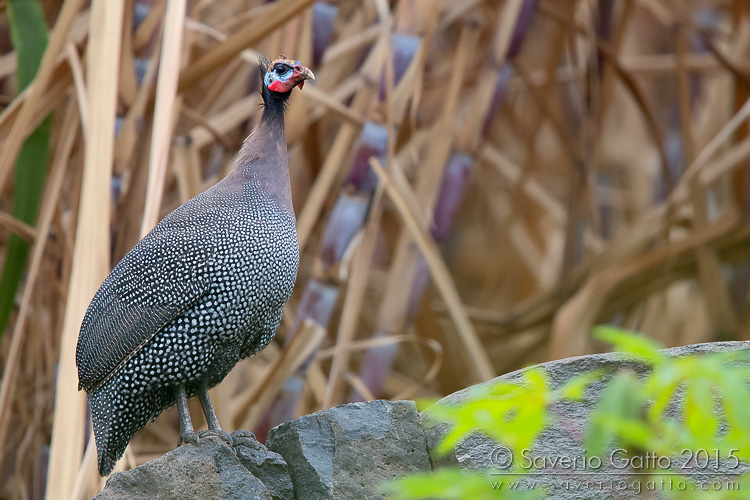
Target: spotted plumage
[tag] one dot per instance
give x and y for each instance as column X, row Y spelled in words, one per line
column 203, row 290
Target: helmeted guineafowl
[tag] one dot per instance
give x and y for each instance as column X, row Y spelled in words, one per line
column 201, row 291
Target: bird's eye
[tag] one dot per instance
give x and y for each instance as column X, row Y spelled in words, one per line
column 281, row 69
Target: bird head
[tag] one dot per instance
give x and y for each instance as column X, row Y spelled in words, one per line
column 284, row 74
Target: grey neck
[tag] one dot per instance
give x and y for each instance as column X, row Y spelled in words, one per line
column 263, row 162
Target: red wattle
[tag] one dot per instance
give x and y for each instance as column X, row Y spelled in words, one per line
column 277, row 86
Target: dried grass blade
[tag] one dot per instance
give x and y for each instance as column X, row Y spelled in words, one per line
column 37, row 252
column 511, row 172
column 88, row 474
column 222, row 122
column 382, row 341
column 19, row 131
column 332, row 104
column 53, row 95
column 19, row 228
column 127, row 137
column 76, row 69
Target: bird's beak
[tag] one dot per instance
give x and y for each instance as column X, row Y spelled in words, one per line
column 302, row 75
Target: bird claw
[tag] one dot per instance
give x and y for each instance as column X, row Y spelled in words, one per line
column 188, row 437
column 218, row 433
column 246, row 438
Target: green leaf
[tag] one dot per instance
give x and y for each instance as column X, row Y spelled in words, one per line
column 28, row 32
column 423, row 404
column 632, row 345
column 619, row 405
column 661, row 387
column 699, row 410
column 735, row 400
column 575, row 388
column 512, row 412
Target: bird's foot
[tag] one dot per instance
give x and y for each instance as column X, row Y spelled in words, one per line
column 188, row 437
column 246, row 438
column 218, row 433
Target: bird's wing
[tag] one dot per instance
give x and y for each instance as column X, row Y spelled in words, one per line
column 162, row 276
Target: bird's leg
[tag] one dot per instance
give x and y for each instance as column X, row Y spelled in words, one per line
column 237, row 438
column 187, row 434
column 208, row 409
column 213, row 423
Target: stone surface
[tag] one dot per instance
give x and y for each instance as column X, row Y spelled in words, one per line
column 346, row 452
column 211, row 470
column 565, row 437
column 268, row 466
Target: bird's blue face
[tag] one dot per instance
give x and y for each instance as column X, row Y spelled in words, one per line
column 284, row 74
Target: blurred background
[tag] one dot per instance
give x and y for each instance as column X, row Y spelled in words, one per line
column 476, row 183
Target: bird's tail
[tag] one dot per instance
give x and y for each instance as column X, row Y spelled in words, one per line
column 117, row 416
column 101, row 409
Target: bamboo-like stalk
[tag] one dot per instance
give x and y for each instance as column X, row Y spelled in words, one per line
column 165, row 113
column 718, row 299
column 91, row 254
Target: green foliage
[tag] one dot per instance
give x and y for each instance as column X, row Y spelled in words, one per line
column 513, row 412
column 634, row 413
column 639, row 407
column 28, row 32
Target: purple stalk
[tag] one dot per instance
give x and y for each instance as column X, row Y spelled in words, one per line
column 403, row 49
column 497, row 98
column 528, row 9
column 603, row 24
column 324, row 17
column 455, row 179
column 523, row 23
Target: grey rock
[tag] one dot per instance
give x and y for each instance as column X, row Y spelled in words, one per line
column 347, row 452
column 565, row 437
column 209, row 471
column 268, row 466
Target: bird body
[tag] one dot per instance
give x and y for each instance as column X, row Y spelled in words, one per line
column 205, row 288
